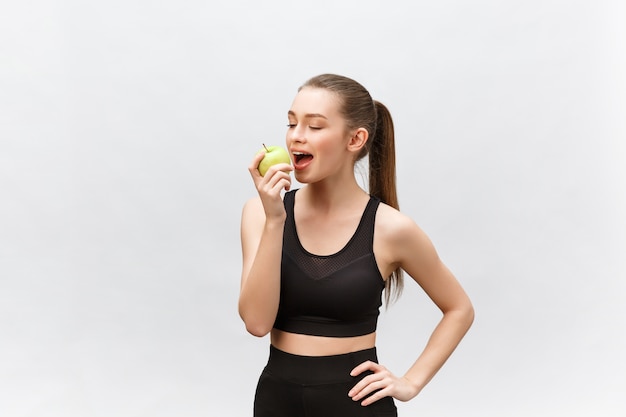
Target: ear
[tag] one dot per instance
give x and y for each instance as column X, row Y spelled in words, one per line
column 358, row 140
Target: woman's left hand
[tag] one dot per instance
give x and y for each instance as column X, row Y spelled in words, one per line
column 383, row 382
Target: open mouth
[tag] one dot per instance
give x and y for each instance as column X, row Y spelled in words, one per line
column 301, row 159
column 301, row 156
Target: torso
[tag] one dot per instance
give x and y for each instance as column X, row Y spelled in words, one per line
column 323, row 239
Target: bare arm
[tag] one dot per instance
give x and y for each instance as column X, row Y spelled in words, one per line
column 262, row 223
column 413, row 251
column 420, row 260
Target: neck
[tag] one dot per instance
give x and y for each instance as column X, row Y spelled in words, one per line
column 327, row 195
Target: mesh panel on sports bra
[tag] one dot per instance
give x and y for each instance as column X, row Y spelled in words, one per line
column 321, row 266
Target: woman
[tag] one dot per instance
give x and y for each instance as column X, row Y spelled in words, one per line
column 316, row 262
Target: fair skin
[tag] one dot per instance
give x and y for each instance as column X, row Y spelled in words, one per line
column 327, row 211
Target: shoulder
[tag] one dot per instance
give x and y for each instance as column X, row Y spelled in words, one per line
column 395, row 224
column 253, row 213
column 400, row 232
column 252, row 206
column 252, row 223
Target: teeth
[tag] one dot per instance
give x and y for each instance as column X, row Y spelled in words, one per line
column 298, row 153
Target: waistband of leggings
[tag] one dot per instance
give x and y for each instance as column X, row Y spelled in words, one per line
column 317, row 369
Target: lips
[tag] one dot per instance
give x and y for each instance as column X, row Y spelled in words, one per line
column 301, row 159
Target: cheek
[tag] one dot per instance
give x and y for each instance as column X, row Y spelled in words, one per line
column 332, row 143
column 330, row 155
column 327, row 147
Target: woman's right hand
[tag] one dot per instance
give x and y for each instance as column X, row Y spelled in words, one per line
column 270, row 186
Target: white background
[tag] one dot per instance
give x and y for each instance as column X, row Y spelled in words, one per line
column 126, row 128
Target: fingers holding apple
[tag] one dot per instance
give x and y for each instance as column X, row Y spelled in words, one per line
column 273, row 155
column 254, row 164
column 270, row 169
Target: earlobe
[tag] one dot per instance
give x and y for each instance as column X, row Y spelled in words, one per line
column 358, row 140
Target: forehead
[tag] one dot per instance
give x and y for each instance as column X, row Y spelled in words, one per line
column 315, row 101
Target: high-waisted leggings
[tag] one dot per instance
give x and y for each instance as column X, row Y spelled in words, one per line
column 315, row 386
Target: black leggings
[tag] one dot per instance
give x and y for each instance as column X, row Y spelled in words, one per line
column 315, row 386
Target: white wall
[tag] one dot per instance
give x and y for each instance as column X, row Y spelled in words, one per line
column 125, row 131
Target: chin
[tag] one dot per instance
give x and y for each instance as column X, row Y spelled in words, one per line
column 302, row 179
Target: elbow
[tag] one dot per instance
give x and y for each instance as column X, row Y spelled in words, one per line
column 258, row 330
column 258, row 323
column 256, row 327
column 469, row 314
column 463, row 314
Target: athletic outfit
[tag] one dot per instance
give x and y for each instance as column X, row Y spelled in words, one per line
column 335, row 295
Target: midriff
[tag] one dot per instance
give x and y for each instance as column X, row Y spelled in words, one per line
column 307, row 345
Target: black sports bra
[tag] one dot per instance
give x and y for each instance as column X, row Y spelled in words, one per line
column 335, row 295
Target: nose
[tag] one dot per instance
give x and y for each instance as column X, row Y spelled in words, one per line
column 296, row 134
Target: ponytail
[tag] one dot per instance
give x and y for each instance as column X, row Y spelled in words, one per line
column 382, row 158
column 382, row 179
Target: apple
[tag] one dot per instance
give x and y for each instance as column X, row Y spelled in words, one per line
column 273, row 155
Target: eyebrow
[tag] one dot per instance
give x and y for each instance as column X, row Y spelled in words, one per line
column 308, row 115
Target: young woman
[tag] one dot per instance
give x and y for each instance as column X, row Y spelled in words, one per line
column 315, row 263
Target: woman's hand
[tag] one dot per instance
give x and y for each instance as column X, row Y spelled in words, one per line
column 270, row 186
column 382, row 383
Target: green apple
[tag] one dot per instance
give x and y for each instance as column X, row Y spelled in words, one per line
column 273, row 155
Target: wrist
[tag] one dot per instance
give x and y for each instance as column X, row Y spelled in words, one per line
column 416, row 387
column 275, row 221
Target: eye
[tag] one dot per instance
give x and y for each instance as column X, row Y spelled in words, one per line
column 291, row 125
column 315, row 127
